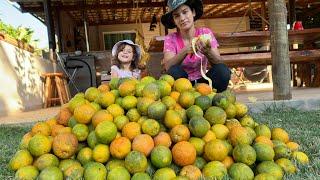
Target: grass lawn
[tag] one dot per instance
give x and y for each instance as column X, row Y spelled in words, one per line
column 302, row 126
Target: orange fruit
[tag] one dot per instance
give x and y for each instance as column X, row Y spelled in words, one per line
column 151, row 91
column 101, row 153
column 163, row 139
column 143, row 104
column 104, row 88
column 184, row 153
column 52, row 172
column 65, row 145
column 175, row 95
column 279, row 134
column 105, row 132
column 81, row 131
column 169, row 102
column 39, row 144
column 240, row 171
column 129, row 102
column 239, row 135
column 172, row 118
column 85, row 155
column 136, row 162
column 182, row 84
column 186, row 99
column 143, row 143
column 293, row 146
column 63, row 116
column 264, row 152
column 105, row 99
column 91, row 93
column 228, row 161
column 20, row 159
column 150, row 127
column 27, row 172
column 203, row 88
column 191, row 171
column 209, row 136
column 127, row 88
column 270, row 167
column 133, row 115
column 199, row 126
column 99, row 116
column 215, row 115
column 120, row 147
column 131, row 130
column 42, row 128
column 214, row 170
column 244, row 153
column 221, row 131
column 167, row 78
column 263, row 130
column 84, row 113
column 179, row 133
column 25, row 141
column 115, row 110
column 164, row 87
column 264, row 139
column 95, row 170
column 161, row 156
column 215, row 150
column 164, row 173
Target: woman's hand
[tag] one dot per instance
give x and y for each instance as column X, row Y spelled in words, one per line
column 187, row 49
column 203, row 47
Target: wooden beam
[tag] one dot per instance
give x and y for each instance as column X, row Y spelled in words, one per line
column 208, row 12
column 128, row 5
column 49, row 22
column 281, row 73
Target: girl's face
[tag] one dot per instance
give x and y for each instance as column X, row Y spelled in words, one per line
column 183, row 17
column 126, row 55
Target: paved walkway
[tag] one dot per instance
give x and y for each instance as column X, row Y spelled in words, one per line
column 257, row 100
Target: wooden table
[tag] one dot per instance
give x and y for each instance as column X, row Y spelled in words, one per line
column 306, row 57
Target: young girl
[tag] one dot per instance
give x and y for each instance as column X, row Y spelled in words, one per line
column 126, row 56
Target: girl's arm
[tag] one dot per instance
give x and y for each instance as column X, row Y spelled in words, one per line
column 171, row 59
column 114, row 73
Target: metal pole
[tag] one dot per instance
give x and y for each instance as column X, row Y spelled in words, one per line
column 86, row 34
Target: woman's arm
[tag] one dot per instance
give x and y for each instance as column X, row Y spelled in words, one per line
column 171, row 59
column 211, row 53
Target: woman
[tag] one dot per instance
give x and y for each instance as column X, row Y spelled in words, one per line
column 179, row 60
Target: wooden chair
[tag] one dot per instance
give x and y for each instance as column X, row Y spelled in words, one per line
column 56, row 89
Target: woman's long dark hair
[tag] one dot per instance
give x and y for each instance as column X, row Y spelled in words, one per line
column 116, row 61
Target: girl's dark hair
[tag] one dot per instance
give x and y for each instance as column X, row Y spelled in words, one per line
column 116, row 61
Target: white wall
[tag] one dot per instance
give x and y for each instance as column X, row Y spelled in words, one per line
column 20, row 83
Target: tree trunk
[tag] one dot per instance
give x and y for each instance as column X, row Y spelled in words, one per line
column 279, row 50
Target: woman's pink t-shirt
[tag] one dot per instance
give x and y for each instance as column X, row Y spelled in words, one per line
column 191, row 64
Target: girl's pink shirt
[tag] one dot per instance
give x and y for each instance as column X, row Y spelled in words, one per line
column 191, row 64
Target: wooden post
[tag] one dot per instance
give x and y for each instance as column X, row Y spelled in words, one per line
column 292, row 12
column 164, row 12
column 279, row 50
column 263, row 14
column 49, row 23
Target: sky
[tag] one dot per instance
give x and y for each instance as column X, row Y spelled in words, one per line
column 11, row 15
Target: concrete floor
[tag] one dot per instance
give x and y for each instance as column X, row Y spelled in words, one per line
column 252, row 93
